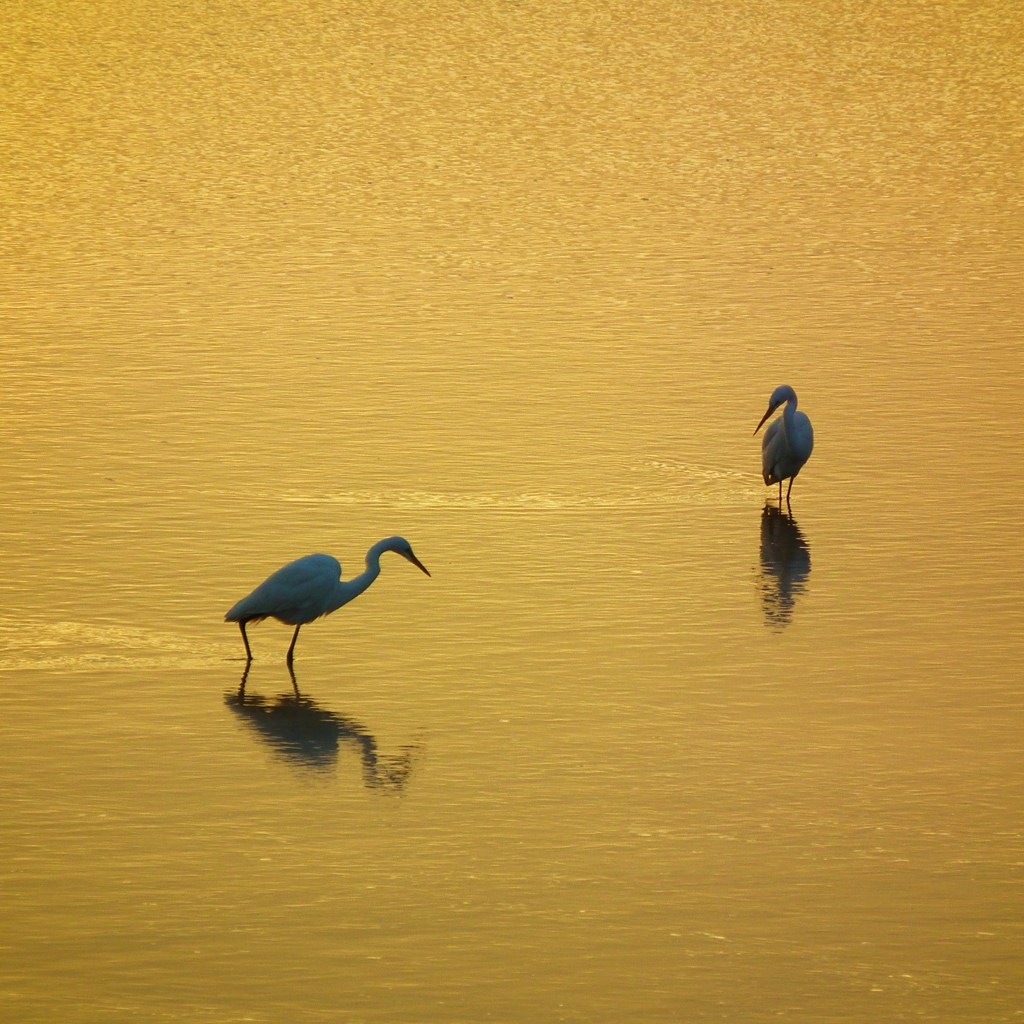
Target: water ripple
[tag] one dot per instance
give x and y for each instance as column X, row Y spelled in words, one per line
column 665, row 483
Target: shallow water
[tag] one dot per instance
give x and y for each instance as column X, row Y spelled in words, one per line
column 514, row 282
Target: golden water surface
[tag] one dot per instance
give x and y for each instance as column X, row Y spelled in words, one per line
column 514, row 280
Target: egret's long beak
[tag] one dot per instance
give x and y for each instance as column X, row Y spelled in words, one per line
column 763, row 418
column 415, row 561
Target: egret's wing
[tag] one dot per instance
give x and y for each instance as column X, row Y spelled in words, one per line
column 295, row 593
column 803, row 439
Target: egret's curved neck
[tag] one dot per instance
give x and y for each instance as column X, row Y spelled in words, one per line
column 790, row 411
column 346, row 590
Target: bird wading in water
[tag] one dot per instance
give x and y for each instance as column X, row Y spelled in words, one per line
column 787, row 444
column 311, row 587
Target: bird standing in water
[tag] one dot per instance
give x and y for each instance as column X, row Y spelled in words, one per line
column 787, row 444
column 311, row 587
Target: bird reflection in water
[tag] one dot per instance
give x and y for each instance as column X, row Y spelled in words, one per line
column 785, row 566
column 310, row 737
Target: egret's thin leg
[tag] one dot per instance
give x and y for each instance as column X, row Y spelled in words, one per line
column 788, row 489
column 245, row 640
column 780, row 494
column 291, row 650
column 295, row 685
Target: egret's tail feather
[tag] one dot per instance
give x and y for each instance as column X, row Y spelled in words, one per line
column 241, row 613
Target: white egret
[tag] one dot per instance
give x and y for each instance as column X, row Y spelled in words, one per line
column 787, row 444
column 310, row 587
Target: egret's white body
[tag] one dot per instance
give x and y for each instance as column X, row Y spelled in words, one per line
column 311, row 587
column 787, row 444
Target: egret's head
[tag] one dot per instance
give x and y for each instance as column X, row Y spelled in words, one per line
column 402, row 547
column 782, row 394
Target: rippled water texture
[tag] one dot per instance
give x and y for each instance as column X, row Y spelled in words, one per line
column 515, row 281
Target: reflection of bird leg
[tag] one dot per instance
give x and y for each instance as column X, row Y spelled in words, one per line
column 780, row 493
column 241, row 686
column 291, row 650
column 245, row 640
column 291, row 672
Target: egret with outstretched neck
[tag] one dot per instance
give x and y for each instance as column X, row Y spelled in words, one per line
column 787, row 444
column 311, row 587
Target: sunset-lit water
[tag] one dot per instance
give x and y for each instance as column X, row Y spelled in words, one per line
column 514, row 281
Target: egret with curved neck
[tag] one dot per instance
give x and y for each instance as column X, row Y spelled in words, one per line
column 787, row 444
column 310, row 588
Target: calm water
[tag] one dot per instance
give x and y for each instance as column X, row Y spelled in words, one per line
column 514, row 281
